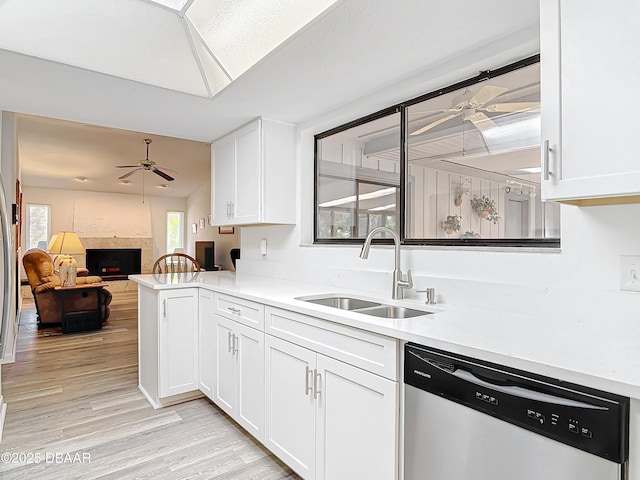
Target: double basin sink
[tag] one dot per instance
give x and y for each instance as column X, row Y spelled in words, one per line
column 366, row 307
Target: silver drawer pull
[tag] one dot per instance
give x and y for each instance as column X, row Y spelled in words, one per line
column 235, row 311
column 230, row 342
column 307, row 381
column 317, row 382
column 545, row 160
column 236, row 341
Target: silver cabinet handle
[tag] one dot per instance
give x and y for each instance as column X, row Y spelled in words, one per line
column 236, row 341
column 233, row 209
column 164, row 308
column 235, row 311
column 307, row 381
column 545, row 161
column 230, row 342
column 317, row 381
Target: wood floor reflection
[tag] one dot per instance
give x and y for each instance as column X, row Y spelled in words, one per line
column 75, row 411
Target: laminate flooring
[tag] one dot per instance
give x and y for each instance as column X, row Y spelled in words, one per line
column 75, row 412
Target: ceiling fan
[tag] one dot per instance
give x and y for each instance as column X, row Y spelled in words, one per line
column 472, row 107
column 147, row 166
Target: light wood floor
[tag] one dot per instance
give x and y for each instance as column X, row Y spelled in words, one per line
column 78, row 395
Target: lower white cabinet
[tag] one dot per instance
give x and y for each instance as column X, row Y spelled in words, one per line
column 206, row 342
column 290, row 405
column 327, row 419
column 239, row 374
column 168, row 345
column 178, row 356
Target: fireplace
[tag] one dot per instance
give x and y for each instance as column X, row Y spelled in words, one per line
column 114, row 263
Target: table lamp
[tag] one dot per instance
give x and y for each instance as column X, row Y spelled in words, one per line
column 64, row 245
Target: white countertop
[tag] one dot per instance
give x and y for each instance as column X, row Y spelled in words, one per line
column 564, row 343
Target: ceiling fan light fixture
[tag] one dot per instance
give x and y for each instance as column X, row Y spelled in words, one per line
column 125, row 182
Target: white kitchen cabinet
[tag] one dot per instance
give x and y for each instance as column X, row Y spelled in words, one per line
column 290, row 406
column 168, row 345
column 327, row 419
column 239, row 378
column 206, row 343
column 588, row 81
column 178, row 356
column 253, row 175
column 356, row 423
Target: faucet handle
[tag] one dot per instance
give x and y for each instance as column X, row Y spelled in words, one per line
column 408, row 283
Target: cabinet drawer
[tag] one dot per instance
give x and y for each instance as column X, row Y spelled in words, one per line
column 369, row 351
column 242, row 311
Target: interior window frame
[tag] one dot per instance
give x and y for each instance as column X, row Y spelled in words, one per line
column 404, row 187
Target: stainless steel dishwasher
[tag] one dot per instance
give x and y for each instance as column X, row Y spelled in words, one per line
column 467, row 419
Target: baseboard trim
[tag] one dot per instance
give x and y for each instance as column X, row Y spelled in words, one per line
column 174, row 400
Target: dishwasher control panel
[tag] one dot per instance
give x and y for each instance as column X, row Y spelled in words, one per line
column 588, row 419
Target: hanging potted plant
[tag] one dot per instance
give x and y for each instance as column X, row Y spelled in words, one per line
column 460, row 190
column 451, row 224
column 485, row 208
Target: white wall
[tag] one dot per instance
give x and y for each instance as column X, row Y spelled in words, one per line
column 588, row 263
column 199, row 206
column 115, row 214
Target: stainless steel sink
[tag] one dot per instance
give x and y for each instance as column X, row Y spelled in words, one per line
column 343, row 303
column 366, row 307
column 391, row 311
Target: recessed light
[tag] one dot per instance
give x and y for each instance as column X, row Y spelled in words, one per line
column 125, row 182
column 80, row 179
column 163, row 185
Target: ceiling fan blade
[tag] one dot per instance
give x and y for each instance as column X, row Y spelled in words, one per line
column 512, row 107
column 130, row 173
column 486, row 94
column 127, row 166
column 482, row 122
column 162, row 174
column 165, row 169
column 434, row 124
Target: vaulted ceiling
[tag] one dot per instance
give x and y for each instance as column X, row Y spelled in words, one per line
column 192, row 46
column 158, row 67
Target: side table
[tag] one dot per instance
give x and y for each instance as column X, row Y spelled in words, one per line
column 87, row 315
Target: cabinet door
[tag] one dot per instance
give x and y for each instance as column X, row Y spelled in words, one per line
column 225, row 365
column 248, row 191
column 206, row 343
column 357, row 423
column 223, row 174
column 587, row 80
column 178, row 332
column 290, row 406
column 250, row 380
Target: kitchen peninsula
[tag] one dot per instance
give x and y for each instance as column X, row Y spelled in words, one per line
column 277, row 364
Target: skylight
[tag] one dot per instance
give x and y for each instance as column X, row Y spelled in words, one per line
column 192, row 46
column 241, row 33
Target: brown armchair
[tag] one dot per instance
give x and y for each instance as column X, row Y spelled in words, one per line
column 49, row 301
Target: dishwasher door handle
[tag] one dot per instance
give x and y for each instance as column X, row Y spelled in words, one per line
column 516, row 391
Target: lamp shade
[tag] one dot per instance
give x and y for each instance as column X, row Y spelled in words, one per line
column 66, row 243
column 52, row 241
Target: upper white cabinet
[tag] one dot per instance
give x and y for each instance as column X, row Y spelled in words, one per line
column 588, row 83
column 253, row 175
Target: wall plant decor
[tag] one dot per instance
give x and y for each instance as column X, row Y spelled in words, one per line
column 485, row 208
column 451, row 224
